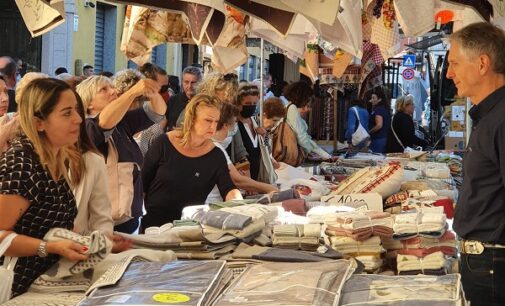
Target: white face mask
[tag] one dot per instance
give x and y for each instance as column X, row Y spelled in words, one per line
column 233, row 131
column 226, row 142
column 223, row 143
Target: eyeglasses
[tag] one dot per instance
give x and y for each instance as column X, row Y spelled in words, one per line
column 230, row 77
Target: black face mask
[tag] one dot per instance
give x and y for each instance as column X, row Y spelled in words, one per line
column 247, row 111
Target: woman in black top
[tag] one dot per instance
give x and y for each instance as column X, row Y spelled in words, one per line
column 34, row 193
column 247, row 98
column 403, row 126
column 182, row 166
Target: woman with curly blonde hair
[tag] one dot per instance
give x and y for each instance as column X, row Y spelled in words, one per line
column 182, row 166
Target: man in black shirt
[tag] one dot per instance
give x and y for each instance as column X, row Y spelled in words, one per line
column 477, row 67
column 191, row 76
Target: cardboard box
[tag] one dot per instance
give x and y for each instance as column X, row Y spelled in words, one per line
column 454, row 143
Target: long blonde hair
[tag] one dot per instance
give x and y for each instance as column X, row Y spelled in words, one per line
column 39, row 99
column 197, row 102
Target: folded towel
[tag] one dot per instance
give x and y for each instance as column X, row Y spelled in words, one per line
column 296, row 206
column 225, row 220
column 432, row 261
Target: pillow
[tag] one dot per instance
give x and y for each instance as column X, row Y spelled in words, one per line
column 308, row 189
column 384, row 180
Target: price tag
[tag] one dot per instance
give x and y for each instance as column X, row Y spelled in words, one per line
column 359, row 201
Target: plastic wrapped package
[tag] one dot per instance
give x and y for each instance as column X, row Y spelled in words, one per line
column 155, row 283
column 283, row 284
column 417, row 290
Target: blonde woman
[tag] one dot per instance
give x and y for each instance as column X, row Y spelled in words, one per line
column 225, row 88
column 182, row 166
column 402, row 134
column 34, row 193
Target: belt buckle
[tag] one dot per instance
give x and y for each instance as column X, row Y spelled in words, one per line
column 471, row 247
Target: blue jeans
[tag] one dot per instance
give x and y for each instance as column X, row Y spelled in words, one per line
column 378, row 145
column 483, row 277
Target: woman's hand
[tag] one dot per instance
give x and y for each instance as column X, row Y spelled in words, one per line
column 275, row 163
column 68, row 249
column 146, row 87
column 261, row 131
column 120, row 244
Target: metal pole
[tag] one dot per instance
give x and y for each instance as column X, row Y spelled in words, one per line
column 468, row 121
column 261, row 79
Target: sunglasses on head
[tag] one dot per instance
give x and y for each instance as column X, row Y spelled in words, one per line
column 230, row 77
column 163, row 89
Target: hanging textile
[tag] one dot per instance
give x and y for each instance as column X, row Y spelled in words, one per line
column 230, row 50
column 415, row 21
column 385, row 31
column 41, row 17
column 145, row 28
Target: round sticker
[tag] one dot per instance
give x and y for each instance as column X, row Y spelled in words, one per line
column 408, row 74
column 171, row 298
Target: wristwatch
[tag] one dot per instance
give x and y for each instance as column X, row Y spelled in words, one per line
column 42, row 251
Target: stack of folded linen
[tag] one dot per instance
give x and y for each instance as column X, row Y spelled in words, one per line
column 428, row 223
column 245, row 251
column 432, row 264
column 348, row 245
column 255, row 211
column 325, row 214
column 298, row 236
column 419, row 290
column 258, row 215
column 221, row 219
column 361, row 225
column 445, row 204
column 421, row 246
column 185, row 241
column 367, row 251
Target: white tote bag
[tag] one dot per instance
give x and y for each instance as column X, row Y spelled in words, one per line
column 7, row 269
column 360, row 135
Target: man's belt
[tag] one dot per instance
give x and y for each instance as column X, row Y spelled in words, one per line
column 476, row 247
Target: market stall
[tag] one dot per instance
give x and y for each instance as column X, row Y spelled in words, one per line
column 365, row 230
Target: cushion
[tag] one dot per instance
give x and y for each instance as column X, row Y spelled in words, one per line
column 384, row 180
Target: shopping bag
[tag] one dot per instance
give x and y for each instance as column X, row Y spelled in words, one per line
column 7, row 269
column 360, row 135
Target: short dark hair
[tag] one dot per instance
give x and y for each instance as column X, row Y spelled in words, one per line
column 382, row 93
column 60, row 70
column 299, row 93
column 173, row 82
column 150, row 70
column 357, row 102
column 106, row 74
column 10, row 69
column 273, row 107
column 228, row 112
column 246, row 90
column 87, row 67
